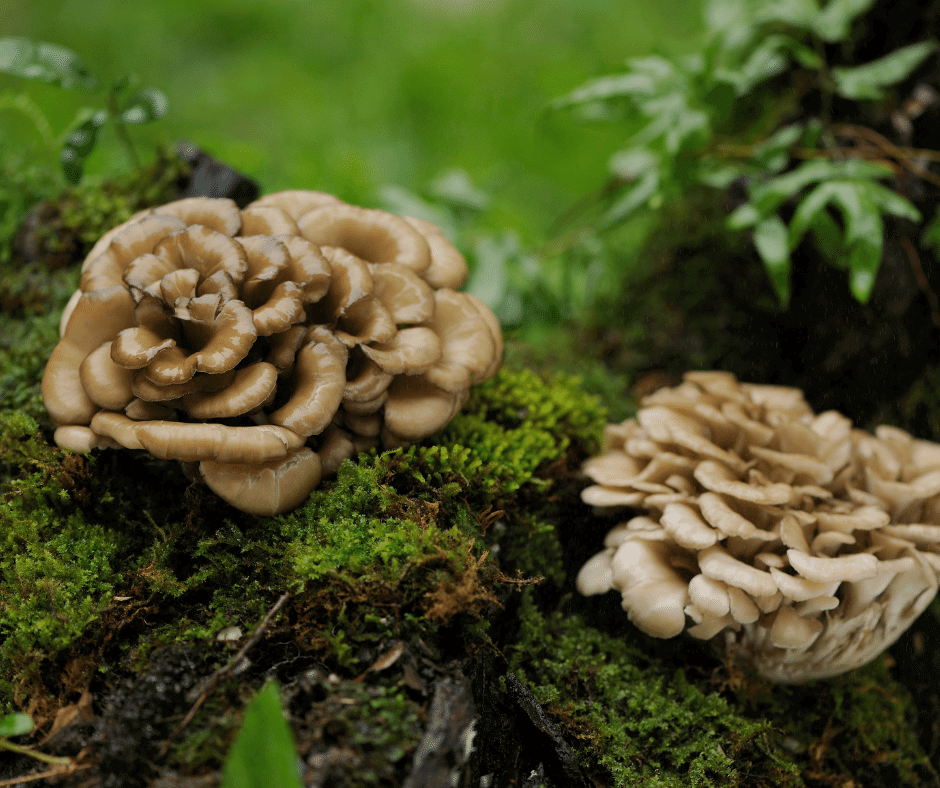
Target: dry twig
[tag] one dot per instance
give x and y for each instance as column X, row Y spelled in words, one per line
column 224, row 672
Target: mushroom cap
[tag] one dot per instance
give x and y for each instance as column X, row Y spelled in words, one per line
column 107, row 384
column 171, row 440
column 249, row 342
column 336, row 446
column 296, row 202
column 251, row 388
column 371, row 235
column 411, row 351
column 80, row 439
column 267, row 220
column 265, row 488
column 96, row 317
column 118, row 427
column 417, row 409
column 320, row 377
column 448, row 267
column 467, row 347
column 810, row 545
column 654, row 594
column 107, row 265
column 216, row 213
column 597, row 575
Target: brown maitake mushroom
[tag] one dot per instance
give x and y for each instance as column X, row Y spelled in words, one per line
column 264, row 346
column 811, row 545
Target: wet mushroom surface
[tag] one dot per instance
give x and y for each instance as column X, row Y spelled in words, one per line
column 264, row 346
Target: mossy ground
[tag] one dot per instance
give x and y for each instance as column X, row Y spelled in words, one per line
column 117, row 576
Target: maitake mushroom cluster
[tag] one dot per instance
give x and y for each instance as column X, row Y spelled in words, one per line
column 263, row 346
column 810, row 544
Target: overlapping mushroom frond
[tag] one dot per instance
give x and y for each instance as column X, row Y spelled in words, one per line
column 811, row 545
column 267, row 344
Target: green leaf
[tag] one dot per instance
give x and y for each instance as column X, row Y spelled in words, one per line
column 636, row 197
column 79, row 144
column 679, row 125
column 264, row 753
column 806, row 57
column 864, row 234
column 767, row 60
column 867, row 81
column 772, row 155
column 833, row 22
column 456, row 188
column 828, row 238
column 488, row 281
column 864, row 259
column 889, row 201
column 931, row 234
column 631, row 163
column 45, row 62
column 862, row 218
column 604, row 88
column 770, row 238
column 781, row 139
column 807, row 212
column 814, row 133
column 718, row 175
column 655, row 66
column 145, row 106
column 800, row 13
column 861, row 170
column 857, row 199
column 15, row 724
column 743, row 217
column 769, row 196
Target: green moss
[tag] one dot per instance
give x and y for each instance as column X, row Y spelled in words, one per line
column 359, row 734
column 395, row 547
column 521, row 400
column 395, row 508
column 23, row 446
column 863, row 722
column 382, row 726
column 57, row 569
column 579, row 354
column 212, row 733
column 47, row 228
column 637, row 720
column 24, row 348
column 341, row 528
column 412, row 521
column 23, row 182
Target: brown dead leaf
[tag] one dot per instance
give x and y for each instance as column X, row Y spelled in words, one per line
column 388, row 659
column 77, row 713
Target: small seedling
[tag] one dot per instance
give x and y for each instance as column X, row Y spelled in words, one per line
column 16, row 725
column 264, row 753
column 126, row 103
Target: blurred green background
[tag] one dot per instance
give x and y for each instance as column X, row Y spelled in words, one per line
column 350, row 96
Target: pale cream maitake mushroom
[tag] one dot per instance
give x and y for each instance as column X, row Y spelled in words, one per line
column 811, row 545
column 262, row 347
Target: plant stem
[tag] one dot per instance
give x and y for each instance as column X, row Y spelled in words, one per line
column 5, row 744
column 826, row 92
column 120, row 131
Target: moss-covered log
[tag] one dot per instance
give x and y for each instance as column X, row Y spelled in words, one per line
column 418, row 612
